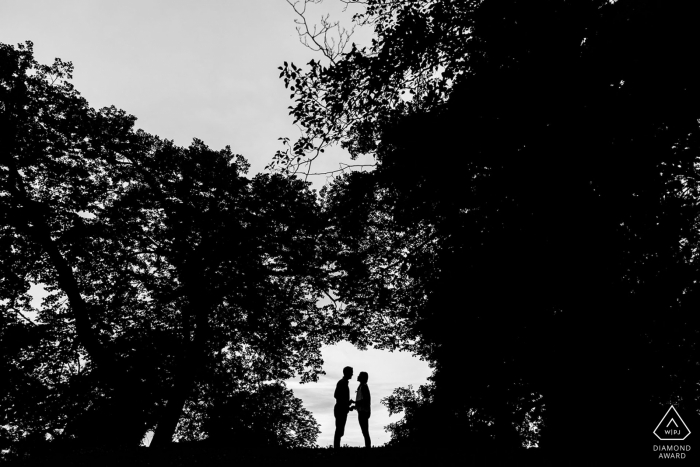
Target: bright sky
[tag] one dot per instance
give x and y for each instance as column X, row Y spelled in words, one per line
column 206, row 69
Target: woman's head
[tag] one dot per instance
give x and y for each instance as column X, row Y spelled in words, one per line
column 362, row 377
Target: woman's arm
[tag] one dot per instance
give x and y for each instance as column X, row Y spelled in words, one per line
column 366, row 398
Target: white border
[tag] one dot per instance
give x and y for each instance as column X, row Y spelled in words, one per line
column 679, row 418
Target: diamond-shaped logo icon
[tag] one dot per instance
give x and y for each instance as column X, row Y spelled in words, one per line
column 672, row 427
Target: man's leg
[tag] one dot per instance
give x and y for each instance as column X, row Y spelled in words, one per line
column 340, row 420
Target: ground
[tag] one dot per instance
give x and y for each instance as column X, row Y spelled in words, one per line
column 203, row 455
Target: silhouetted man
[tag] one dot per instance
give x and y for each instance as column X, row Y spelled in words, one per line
column 342, row 405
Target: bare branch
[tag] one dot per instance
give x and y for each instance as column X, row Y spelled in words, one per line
column 27, row 319
column 343, row 168
column 328, row 37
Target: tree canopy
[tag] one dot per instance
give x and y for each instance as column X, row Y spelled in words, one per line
column 530, row 228
column 164, row 267
column 531, row 224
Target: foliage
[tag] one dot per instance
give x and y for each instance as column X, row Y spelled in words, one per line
column 412, row 404
column 156, row 259
column 265, row 416
column 532, row 220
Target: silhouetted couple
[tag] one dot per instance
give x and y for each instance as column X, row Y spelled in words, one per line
column 343, row 405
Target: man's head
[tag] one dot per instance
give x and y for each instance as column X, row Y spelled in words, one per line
column 347, row 372
column 362, row 377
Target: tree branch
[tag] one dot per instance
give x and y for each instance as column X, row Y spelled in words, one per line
column 20, row 313
column 40, row 231
column 318, row 39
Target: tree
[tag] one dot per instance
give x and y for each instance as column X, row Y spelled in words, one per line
column 156, row 259
column 532, row 217
column 45, row 184
column 250, row 416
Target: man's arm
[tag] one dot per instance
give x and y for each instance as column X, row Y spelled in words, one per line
column 337, row 388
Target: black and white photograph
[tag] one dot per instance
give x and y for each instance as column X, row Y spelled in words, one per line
column 365, row 233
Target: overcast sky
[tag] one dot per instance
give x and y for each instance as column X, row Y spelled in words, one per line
column 205, row 69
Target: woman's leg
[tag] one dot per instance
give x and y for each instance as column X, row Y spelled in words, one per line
column 364, row 426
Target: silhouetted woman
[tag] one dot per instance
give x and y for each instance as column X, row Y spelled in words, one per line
column 363, row 404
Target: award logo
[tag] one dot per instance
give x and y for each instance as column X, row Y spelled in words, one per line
column 672, row 428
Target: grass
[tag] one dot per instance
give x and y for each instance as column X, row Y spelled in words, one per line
column 204, row 455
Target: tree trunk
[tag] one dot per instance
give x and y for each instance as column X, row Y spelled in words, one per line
column 172, row 411
column 185, row 377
